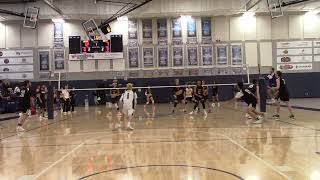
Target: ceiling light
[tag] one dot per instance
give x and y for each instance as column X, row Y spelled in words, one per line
column 59, row 20
column 123, row 18
column 2, row 18
column 248, row 14
column 312, row 13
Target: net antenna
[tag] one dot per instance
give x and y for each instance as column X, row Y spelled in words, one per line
column 31, row 17
column 275, row 8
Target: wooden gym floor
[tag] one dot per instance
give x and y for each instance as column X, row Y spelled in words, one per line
column 163, row 146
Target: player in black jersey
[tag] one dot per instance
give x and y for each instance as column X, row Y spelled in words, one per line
column 115, row 95
column 26, row 96
column 178, row 95
column 248, row 97
column 254, row 89
column 272, row 83
column 215, row 96
column 282, row 94
column 206, row 94
column 149, row 96
column 199, row 95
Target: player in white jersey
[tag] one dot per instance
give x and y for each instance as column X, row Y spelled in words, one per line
column 129, row 100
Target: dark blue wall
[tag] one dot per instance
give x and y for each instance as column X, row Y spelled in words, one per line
column 301, row 85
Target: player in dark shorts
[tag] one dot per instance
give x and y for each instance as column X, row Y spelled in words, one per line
column 43, row 101
column 206, row 94
column 282, row 94
column 199, row 96
column 254, row 89
column 26, row 96
column 250, row 99
column 149, row 96
column 115, row 95
column 178, row 96
column 215, row 96
column 272, row 83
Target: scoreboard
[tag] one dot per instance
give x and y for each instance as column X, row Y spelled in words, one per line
column 99, row 49
column 97, row 45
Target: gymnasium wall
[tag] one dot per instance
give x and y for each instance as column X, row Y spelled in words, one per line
column 258, row 37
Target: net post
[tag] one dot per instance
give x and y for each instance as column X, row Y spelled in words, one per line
column 59, row 81
column 263, row 94
column 248, row 73
column 50, row 101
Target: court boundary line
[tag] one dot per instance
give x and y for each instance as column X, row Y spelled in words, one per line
column 66, row 155
column 146, row 166
column 249, row 152
column 257, row 157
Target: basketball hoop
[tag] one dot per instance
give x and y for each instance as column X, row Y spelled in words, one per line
column 31, row 17
column 275, row 8
column 91, row 28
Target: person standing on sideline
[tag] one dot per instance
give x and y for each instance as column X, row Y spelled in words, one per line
column 26, row 100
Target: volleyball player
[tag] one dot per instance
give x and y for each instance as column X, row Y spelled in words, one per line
column 282, row 94
column 248, row 97
column 149, row 96
column 188, row 94
column 272, row 83
column 215, row 96
column 43, row 100
column 115, row 95
column 178, row 95
column 199, row 98
column 206, row 93
column 26, row 98
column 254, row 89
column 129, row 100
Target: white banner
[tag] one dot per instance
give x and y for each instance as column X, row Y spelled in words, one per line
column 16, row 68
column 99, row 56
column 295, row 67
column 16, row 76
column 316, row 58
column 316, row 43
column 298, row 51
column 19, row 60
column 294, row 59
column 316, row 51
column 294, row 44
column 16, row 53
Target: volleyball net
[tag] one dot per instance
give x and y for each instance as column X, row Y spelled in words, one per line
column 99, row 92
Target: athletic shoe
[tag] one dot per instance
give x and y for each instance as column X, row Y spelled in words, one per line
column 20, row 128
column 272, row 101
column 276, row 116
column 130, row 128
column 205, row 113
column 291, row 116
column 258, row 121
column 260, row 117
column 213, row 105
column 64, row 113
column 191, row 112
column 248, row 116
column 218, row 104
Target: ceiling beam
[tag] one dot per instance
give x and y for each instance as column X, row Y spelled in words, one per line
column 54, row 7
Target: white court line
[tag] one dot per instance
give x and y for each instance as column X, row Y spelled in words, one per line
column 257, row 157
column 65, row 156
column 251, row 153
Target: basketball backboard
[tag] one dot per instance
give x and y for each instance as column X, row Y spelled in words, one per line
column 31, row 17
column 275, row 8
